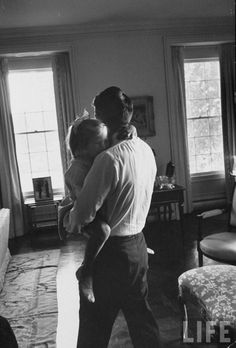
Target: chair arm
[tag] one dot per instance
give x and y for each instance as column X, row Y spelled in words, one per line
column 205, row 215
column 210, row 213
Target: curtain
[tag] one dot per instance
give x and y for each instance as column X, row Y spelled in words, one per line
column 64, row 101
column 227, row 68
column 178, row 124
column 11, row 194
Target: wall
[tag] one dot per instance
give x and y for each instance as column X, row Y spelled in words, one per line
column 135, row 62
column 136, row 58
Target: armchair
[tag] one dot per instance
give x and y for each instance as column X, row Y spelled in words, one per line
column 220, row 247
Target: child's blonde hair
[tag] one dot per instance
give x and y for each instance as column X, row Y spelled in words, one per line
column 81, row 132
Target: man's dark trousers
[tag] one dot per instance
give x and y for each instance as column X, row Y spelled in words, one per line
column 120, row 282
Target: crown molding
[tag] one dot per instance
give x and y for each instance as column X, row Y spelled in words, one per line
column 158, row 24
column 69, row 33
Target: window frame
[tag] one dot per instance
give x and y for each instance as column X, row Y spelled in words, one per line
column 204, row 54
column 42, row 63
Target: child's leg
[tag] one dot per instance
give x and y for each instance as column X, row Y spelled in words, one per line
column 100, row 233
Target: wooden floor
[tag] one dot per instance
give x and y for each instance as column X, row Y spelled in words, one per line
column 172, row 257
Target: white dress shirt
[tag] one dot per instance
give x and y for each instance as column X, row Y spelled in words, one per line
column 120, row 181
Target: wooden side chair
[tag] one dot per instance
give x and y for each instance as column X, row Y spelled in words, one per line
column 220, row 247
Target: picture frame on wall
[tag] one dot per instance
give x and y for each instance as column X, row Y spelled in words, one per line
column 143, row 116
column 43, row 189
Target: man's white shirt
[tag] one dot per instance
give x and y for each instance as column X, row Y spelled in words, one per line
column 120, row 182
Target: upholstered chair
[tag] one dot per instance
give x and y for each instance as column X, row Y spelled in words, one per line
column 208, row 305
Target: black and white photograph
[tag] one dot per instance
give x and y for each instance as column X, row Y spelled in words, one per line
column 42, row 189
column 118, row 174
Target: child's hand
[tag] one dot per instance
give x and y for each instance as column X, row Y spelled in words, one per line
column 126, row 132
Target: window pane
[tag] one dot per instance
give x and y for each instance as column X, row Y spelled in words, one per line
column 19, row 123
column 39, row 161
column 24, row 163
column 203, row 108
column 191, row 146
column 54, row 160
column 37, row 142
column 217, row 161
column 194, row 72
column 203, row 163
column 197, row 89
column 201, row 127
column 216, row 144
column 214, row 107
column 52, row 142
column 211, row 70
column 34, row 121
column 190, row 128
column 57, row 178
column 50, row 119
column 192, row 165
column 212, row 89
column 21, row 143
column 202, row 145
column 26, row 182
column 196, row 108
column 215, row 126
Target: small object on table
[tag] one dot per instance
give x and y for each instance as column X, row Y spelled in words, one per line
column 164, row 183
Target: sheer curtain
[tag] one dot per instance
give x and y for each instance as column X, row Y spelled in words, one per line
column 178, row 125
column 11, row 195
column 227, row 65
column 64, row 100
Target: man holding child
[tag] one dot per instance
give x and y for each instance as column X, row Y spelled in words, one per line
column 120, row 184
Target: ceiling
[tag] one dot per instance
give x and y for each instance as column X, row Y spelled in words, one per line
column 37, row 13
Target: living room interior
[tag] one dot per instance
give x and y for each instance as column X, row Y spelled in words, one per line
column 176, row 60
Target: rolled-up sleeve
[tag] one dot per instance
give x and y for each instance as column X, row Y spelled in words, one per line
column 99, row 182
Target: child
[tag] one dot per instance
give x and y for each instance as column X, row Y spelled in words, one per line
column 86, row 139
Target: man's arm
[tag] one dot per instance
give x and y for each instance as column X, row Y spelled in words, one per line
column 99, row 182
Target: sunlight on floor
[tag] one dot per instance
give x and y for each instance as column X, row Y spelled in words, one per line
column 68, row 303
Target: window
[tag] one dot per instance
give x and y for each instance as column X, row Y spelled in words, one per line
column 33, row 109
column 204, row 122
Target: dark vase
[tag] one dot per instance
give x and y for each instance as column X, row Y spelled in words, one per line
column 170, row 169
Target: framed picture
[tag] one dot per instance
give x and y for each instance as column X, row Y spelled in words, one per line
column 42, row 189
column 143, row 116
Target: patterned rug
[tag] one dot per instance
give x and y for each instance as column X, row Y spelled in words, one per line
column 29, row 298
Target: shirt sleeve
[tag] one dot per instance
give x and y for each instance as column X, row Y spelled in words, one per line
column 100, row 181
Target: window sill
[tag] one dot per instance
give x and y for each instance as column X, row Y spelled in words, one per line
column 56, row 192
column 198, row 177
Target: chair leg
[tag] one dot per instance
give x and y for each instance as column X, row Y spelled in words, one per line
column 184, row 319
column 200, row 255
column 199, row 238
column 200, row 258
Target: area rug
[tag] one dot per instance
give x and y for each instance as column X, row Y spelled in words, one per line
column 29, row 298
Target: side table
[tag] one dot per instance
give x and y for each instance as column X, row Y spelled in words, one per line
column 42, row 215
column 164, row 198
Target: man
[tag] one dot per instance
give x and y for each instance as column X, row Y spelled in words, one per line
column 120, row 182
